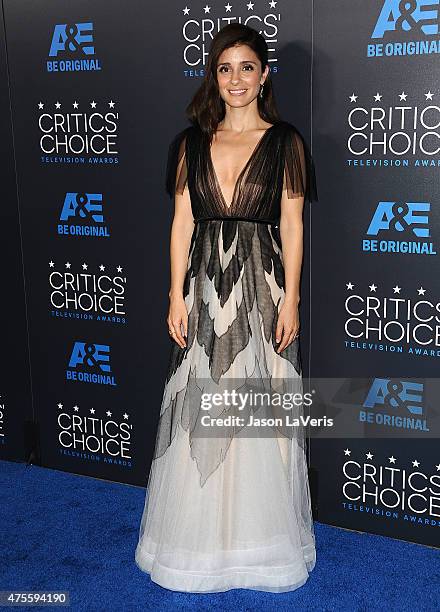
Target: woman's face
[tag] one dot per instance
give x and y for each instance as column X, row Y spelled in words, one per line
column 239, row 75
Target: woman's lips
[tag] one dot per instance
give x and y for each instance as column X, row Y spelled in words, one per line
column 237, row 92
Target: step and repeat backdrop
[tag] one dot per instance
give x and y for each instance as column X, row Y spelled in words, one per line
column 375, row 272
column 92, row 97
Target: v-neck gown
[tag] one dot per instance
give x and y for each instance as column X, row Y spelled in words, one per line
column 230, row 507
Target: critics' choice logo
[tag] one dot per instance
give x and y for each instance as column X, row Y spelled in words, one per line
column 202, row 23
column 393, row 131
column 73, row 135
column 393, row 220
column 89, row 295
column 72, row 48
column 87, row 435
column 395, row 403
column 90, row 362
column 387, row 490
column 406, row 27
column 82, row 215
column 392, row 323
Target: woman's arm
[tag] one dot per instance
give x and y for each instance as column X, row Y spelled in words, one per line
column 181, row 232
column 291, row 232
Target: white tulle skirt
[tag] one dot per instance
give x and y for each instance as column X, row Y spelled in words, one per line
column 243, row 529
column 232, row 512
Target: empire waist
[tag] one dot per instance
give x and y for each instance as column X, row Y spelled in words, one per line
column 238, row 218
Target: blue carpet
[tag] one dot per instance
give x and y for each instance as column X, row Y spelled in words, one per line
column 69, row 532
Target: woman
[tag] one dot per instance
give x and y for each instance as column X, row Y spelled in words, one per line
column 227, row 507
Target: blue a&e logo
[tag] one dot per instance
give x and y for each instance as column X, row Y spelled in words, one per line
column 90, row 363
column 407, row 218
column 407, row 15
column 73, row 47
column 83, row 216
column 394, row 403
column 406, row 27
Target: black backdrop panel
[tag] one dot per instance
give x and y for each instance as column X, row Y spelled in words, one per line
column 15, row 383
column 375, row 263
column 97, row 300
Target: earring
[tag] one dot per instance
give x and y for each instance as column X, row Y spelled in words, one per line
column 261, row 90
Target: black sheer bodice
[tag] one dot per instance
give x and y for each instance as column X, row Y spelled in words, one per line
column 280, row 160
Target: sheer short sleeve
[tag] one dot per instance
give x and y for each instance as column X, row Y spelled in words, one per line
column 299, row 168
column 176, row 174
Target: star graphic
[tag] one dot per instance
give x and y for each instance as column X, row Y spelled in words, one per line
column 60, row 405
column 92, row 411
column 75, row 104
column 429, row 95
column 125, row 415
column 111, row 104
column 378, row 97
column 108, row 413
column 397, row 289
column 392, row 459
column 272, row 4
column 373, row 287
column 353, row 98
column 186, row 10
column 349, row 285
column 51, row 263
column 369, row 455
column 84, row 266
column 119, row 269
column 421, row 291
column 403, row 95
column 68, row 264
column 93, row 104
column 416, row 463
column 102, row 268
column 228, row 7
column 57, row 105
column 40, row 105
column 76, row 408
column 250, row 6
column 206, row 8
column 347, row 451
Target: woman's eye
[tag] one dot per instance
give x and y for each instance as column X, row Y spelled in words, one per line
column 245, row 67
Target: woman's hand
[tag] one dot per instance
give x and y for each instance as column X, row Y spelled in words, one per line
column 178, row 318
column 287, row 325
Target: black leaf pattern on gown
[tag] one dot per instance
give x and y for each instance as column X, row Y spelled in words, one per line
column 234, row 278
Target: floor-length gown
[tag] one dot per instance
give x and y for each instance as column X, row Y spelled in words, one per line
column 230, row 508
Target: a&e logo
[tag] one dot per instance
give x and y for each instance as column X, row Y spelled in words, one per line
column 90, row 363
column 82, row 215
column 395, row 403
column 405, row 19
column 407, row 218
column 73, row 48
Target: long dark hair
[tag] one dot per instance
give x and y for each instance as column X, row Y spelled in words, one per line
column 207, row 107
